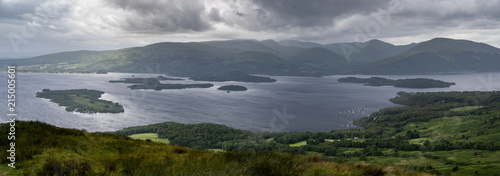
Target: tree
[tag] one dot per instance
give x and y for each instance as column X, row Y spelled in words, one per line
column 363, row 158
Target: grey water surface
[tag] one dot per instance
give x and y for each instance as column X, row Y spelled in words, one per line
column 290, row 104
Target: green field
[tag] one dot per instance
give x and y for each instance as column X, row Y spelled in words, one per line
column 299, row 144
column 150, row 136
column 95, row 104
column 216, row 150
column 465, row 108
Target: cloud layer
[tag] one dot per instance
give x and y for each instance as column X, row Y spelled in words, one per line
column 32, row 27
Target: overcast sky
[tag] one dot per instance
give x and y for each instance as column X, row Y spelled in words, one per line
column 35, row 27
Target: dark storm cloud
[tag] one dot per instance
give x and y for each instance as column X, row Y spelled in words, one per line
column 310, row 13
column 215, row 14
column 432, row 17
column 160, row 16
column 15, row 10
column 452, row 10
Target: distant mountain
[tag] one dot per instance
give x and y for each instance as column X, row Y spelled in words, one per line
column 184, row 59
column 292, row 58
column 299, row 44
column 375, row 50
column 267, row 46
column 439, row 55
column 282, row 50
column 242, row 45
column 362, row 52
column 369, row 51
column 319, row 57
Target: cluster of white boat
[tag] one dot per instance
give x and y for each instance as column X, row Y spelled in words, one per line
column 357, row 111
column 348, row 126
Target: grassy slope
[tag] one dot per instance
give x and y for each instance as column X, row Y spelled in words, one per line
column 150, row 136
column 299, row 144
column 42, row 149
column 465, row 108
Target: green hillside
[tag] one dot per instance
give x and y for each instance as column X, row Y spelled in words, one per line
column 43, row 149
column 65, row 61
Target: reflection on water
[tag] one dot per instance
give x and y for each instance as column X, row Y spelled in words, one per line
column 312, row 104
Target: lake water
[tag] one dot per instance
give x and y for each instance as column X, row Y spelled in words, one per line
column 290, row 104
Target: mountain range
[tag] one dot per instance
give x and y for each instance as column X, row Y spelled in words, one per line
column 289, row 57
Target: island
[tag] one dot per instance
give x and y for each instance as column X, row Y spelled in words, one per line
column 144, row 80
column 420, row 83
column 231, row 76
column 170, row 86
column 155, row 84
column 81, row 100
column 232, row 88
